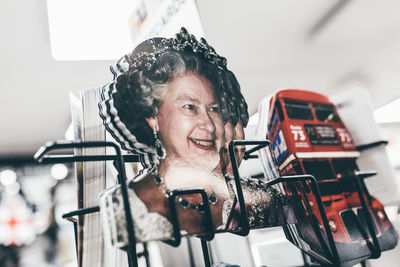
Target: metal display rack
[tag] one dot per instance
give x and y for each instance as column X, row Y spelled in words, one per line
column 43, row 156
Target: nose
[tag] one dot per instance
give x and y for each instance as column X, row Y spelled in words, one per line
column 206, row 122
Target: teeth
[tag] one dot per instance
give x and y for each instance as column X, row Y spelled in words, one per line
column 203, row 143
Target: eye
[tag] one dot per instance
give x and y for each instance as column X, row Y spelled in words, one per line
column 189, row 106
column 215, row 109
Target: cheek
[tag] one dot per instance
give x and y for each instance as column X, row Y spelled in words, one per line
column 184, row 127
column 175, row 129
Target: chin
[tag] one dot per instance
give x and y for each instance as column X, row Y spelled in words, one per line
column 207, row 162
column 193, row 159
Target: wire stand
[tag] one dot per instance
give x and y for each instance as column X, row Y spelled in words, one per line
column 331, row 250
column 42, row 157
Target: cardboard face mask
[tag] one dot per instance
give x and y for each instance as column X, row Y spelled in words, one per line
column 174, row 102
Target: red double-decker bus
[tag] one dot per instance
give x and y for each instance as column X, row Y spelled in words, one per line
column 308, row 137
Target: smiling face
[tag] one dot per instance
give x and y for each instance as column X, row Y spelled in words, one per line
column 189, row 121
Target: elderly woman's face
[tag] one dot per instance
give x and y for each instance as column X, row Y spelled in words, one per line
column 189, row 121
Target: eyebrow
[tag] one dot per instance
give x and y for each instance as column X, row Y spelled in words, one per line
column 193, row 99
column 187, row 97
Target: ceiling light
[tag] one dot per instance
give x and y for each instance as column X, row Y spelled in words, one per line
column 59, row 171
column 13, row 189
column 8, row 177
column 106, row 30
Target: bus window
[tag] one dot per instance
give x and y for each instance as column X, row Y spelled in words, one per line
column 293, row 168
column 272, row 124
column 274, row 121
column 344, row 167
column 270, row 132
column 363, row 221
column 321, row 135
column 348, row 186
column 330, row 188
column 297, row 170
column 298, row 110
column 352, row 224
column 279, row 110
column 320, row 169
column 325, row 112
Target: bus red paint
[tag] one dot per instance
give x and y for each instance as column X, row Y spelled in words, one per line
column 308, row 137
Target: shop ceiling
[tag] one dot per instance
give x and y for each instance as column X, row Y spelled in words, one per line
column 327, row 46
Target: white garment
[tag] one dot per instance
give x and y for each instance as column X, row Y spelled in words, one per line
column 147, row 225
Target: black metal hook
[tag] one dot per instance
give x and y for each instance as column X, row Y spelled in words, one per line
column 232, row 154
column 41, row 156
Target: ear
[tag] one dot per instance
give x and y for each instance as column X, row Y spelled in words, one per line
column 153, row 122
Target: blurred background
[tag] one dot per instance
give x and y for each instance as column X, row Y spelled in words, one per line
column 50, row 48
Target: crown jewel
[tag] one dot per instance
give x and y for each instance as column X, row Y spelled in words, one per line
column 182, row 41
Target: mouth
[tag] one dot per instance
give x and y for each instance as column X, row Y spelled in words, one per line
column 203, row 144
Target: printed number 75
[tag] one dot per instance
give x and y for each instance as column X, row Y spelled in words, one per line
column 298, row 135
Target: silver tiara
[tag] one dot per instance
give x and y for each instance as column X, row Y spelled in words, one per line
column 182, row 41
